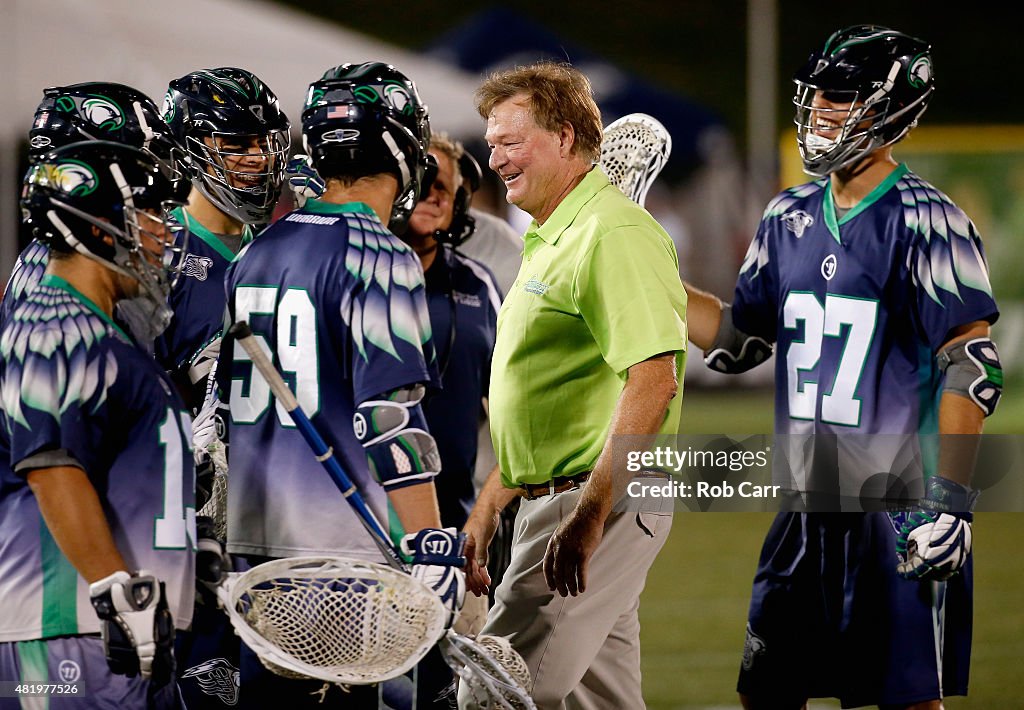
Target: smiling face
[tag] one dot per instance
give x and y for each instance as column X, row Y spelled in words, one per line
column 245, row 160
column 435, row 212
column 537, row 166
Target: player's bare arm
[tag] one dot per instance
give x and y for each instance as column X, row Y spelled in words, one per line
column 74, row 516
column 703, row 315
column 641, row 408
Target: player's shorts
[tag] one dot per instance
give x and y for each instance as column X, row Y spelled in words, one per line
column 829, row 617
column 77, row 661
column 207, row 656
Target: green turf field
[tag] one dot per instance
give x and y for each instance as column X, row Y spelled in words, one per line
column 693, row 611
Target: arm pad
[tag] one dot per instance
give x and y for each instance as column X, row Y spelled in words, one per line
column 393, row 431
column 973, row 370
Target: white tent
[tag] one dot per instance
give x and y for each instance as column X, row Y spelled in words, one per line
column 146, row 43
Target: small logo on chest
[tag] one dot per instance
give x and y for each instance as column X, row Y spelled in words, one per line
column 797, row 222
column 536, row 286
column 197, row 267
column 829, row 266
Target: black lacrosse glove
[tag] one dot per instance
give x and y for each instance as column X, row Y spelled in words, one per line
column 137, row 629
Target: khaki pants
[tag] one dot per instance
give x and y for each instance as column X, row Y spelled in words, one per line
column 584, row 651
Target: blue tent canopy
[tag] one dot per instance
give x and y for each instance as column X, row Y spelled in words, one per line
column 500, row 38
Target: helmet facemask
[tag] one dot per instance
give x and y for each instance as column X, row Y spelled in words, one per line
column 241, row 182
column 865, row 89
column 146, row 246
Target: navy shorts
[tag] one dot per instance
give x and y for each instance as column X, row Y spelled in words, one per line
column 78, row 662
column 829, row 617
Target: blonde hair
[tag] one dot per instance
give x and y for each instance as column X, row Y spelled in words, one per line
column 558, row 93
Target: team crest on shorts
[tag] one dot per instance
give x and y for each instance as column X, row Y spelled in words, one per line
column 216, row 677
column 752, row 648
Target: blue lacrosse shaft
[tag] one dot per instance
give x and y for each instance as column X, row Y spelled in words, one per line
column 242, row 333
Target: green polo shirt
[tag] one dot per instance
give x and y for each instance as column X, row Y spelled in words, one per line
column 598, row 292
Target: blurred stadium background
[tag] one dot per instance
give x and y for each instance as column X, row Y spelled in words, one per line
column 716, row 72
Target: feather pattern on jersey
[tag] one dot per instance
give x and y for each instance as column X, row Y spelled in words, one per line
column 387, row 309
column 949, row 255
column 51, row 364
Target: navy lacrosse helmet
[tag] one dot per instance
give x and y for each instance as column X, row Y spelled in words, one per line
column 365, row 119
column 108, row 201
column 220, row 116
column 101, row 110
column 887, row 78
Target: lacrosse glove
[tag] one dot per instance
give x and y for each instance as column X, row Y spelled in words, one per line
column 437, row 562
column 212, row 561
column 934, row 543
column 137, row 628
column 303, row 179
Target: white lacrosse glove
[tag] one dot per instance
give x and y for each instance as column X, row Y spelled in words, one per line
column 138, row 630
column 303, row 179
column 934, row 543
column 437, row 562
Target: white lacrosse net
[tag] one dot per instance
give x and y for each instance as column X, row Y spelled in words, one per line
column 635, row 149
column 495, row 673
column 216, row 508
column 342, row 621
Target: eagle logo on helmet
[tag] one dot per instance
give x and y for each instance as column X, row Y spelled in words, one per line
column 920, row 73
column 71, row 178
column 399, row 98
column 167, row 110
column 103, row 113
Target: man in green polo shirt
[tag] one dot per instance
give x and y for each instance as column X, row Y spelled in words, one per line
column 591, row 346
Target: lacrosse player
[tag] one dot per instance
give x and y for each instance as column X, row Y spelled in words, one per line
column 94, row 110
column 874, row 286
column 339, row 301
column 237, row 139
column 591, row 345
column 97, row 527
column 231, row 127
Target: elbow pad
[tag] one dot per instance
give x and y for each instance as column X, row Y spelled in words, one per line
column 393, row 431
column 734, row 351
column 973, row 370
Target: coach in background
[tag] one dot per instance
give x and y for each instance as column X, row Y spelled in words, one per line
column 596, row 319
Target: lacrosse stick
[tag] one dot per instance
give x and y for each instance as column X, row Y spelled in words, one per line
column 345, row 621
column 242, row 334
column 635, row 149
column 216, row 508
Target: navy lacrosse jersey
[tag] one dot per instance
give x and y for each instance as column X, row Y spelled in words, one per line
column 339, row 301
column 197, row 298
column 73, row 384
column 859, row 306
column 28, row 270
column 463, row 301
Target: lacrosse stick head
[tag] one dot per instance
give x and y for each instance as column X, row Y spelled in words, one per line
column 337, row 620
column 497, row 676
column 635, row 149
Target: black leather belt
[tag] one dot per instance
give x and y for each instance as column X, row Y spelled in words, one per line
column 532, row 491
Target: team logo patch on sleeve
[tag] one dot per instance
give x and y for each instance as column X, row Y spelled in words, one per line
column 198, row 267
